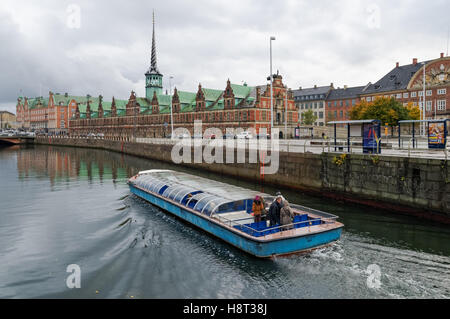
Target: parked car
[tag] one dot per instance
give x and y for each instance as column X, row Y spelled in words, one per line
column 184, row 135
column 100, row 135
column 245, row 135
column 228, row 136
column 261, row 135
column 91, row 135
column 209, row 136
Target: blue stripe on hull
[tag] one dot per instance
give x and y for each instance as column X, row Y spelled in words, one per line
column 254, row 247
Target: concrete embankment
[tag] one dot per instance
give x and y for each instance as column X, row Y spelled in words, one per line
column 414, row 186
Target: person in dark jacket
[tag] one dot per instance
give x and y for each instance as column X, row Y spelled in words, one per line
column 274, row 211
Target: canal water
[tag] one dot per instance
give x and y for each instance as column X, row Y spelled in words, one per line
column 71, row 206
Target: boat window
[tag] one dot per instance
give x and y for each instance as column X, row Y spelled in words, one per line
column 168, row 190
column 232, row 207
column 174, row 190
column 211, row 206
column 162, row 189
column 186, row 198
column 194, row 199
column 202, row 203
column 157, row 186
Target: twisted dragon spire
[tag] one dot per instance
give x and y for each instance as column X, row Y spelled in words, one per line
column 153, row 67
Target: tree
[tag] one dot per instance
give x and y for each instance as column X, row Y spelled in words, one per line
column 358, row 110
column 308, row 118
column 387, row 110
column 413, row 111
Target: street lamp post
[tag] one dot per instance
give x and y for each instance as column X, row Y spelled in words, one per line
column 171, row 112
column 286, row 114
column 271, row 88
column 423, row 100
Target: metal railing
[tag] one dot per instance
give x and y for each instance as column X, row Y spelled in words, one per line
column 270, row 230
column 316, row 146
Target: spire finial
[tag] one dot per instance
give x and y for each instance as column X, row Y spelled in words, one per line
column 153, row 67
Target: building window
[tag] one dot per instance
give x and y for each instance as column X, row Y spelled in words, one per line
column 413, row 94
column 429, row 92
column 420, row 93
column 405, row 95
column 369, row 99
column 320, row 115
column 429, row 105
column 398, row 96
column 442, row 91
column 441, row 105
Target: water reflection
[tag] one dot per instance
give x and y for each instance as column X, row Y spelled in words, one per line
column 72, row 205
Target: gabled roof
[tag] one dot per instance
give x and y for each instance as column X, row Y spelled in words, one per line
column 397, row 79
column 313, row 93
column 345, row 93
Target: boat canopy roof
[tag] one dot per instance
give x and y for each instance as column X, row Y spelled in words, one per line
column 201, row 194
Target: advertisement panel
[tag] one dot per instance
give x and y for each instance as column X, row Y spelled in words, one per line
column 371, row 138
column 437, row 134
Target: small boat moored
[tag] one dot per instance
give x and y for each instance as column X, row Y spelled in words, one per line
column 224, row 211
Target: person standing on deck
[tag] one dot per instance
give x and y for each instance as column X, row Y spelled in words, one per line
column 286, row 216
column 274, row 211
column 257, row 208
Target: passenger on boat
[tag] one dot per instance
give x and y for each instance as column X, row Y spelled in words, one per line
column 257, row 208
column 264, row 211
column 274, row 211
column 286, row 216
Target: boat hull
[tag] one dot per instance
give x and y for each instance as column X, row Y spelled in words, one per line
column 255, row 246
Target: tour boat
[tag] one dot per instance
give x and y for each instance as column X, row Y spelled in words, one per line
column 224, row 211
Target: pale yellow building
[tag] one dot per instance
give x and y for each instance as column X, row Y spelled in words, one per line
column 7, row 120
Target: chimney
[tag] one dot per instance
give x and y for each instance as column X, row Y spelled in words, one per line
column 332, row 85
column 66, row 94
column 315, row 86
column 345, row 87
column 397, row 64
column 300, row 88
column 414, row 61
column 442, row 55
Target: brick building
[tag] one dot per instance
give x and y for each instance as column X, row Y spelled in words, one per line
column 340, row 101
column 49, row 114
column 405, row 83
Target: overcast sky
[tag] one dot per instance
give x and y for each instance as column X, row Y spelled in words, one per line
column 103, row 47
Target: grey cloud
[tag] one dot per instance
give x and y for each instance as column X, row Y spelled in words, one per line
column 207, row 42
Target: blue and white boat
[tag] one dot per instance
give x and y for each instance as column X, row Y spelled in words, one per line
column 224, row 211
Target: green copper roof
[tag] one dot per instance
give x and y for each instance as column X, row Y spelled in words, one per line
column 186, row 97
column 37, row 102
column 212, row 94
column 241, row 91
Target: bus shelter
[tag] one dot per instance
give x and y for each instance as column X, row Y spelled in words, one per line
column 436, row 132
column 368, row 130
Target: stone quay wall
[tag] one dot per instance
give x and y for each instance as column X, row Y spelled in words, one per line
column 414, row 186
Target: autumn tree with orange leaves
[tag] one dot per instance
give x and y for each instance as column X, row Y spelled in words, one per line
column 387, row 110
